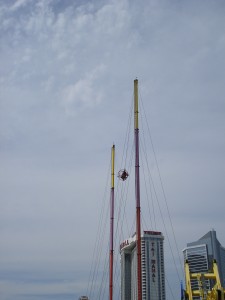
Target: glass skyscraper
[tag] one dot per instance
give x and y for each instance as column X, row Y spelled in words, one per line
column 200, row 255
column 153, row 274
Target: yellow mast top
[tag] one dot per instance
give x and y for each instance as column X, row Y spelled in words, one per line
column 135, row 104
column 112, row 166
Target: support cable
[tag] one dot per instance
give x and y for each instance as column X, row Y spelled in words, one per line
column 97, row 248
column 163, row 190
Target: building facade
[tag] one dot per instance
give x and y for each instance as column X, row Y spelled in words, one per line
column 153, row 273
column 200, row 255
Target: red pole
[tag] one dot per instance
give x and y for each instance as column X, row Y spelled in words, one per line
column 111, row 226
column 137, row 191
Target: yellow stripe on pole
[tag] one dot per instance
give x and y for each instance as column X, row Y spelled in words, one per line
column 136, row 104
column 112, row 166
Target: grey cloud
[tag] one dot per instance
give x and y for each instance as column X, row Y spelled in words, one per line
column 66, row 81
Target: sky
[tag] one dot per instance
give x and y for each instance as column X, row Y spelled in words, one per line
column 66, row 80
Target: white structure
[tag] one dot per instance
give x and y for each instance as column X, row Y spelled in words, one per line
column 153, row 275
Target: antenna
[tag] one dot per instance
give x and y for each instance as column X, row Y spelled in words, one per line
column 137, row 191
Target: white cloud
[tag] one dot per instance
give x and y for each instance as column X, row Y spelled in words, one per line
column 83, row 94
column 19, row 4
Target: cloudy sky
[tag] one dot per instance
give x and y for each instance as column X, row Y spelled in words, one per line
column 66, row 80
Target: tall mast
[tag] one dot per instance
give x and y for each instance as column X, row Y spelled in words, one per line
column 111, row 225
column 137, row 191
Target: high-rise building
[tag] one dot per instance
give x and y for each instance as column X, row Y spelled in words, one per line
column 200, row 255
column 152, row 259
